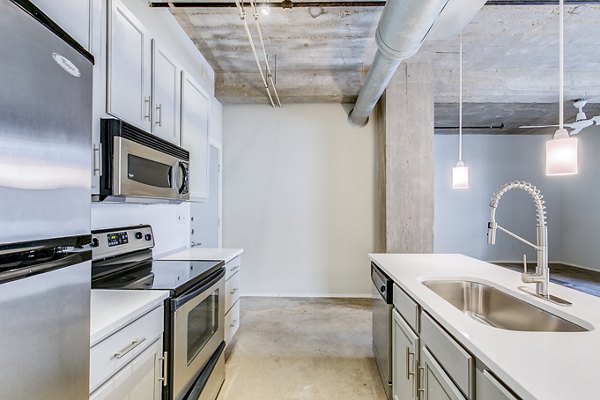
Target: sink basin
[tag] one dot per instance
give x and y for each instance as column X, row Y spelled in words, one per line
column 493, row 307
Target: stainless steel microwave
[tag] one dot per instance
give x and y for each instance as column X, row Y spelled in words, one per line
column 138, row 165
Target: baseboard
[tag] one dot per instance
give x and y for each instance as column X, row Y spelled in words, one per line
column 570, row 264
column 577, row 266
column 308, row 295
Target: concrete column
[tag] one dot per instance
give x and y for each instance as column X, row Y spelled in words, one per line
column 406, row 130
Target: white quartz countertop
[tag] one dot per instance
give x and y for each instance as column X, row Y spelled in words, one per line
column 113, row 309
column 201, row 253
column 536, row 365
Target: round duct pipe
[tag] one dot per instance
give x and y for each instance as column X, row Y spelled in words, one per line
column 402, row 28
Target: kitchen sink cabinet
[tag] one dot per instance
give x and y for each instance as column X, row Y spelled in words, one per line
column 195, row 109
column 489, row 387
column 429, row 364
column 434, row 381
column 405, row 345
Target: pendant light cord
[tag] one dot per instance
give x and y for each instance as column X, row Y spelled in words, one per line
column 561, row 67
column 460, row 100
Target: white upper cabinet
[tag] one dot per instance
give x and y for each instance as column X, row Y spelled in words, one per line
column 129, row 68
column 72, row 16
column 195, row 109
column 165, row 93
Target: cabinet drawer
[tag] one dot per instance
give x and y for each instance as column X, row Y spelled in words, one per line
column 232, row 322
column 232, row 267
column 407, row 307
column 490, row 388
column 129, row 341
column 455, row 360
column 232, row 291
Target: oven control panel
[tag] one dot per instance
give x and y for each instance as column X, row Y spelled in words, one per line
column 117, row 241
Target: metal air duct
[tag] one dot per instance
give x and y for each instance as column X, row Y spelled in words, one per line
column 401, row 31
column 402, row 28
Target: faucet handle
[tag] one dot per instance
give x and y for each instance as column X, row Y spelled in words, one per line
column 524, row 263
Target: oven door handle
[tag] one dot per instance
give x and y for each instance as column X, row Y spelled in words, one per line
column 214, row 278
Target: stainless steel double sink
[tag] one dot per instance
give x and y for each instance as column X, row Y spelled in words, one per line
column 496, row 308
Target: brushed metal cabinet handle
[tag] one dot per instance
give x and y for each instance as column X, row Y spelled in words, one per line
column 121, row 353
column 421, row 379
column 233, row 323
column 159, row 115
column 233, row 291
column 408, row 363
column 163, row 378
column 147, row 107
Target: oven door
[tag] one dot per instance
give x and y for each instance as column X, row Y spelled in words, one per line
column 145, row 172
column 197, row 332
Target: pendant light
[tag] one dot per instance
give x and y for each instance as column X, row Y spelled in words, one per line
column 460, row 173
column 561, row 151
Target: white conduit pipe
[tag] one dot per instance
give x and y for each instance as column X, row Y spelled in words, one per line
column 262, row 75
column 402, row 28
column 262, row 42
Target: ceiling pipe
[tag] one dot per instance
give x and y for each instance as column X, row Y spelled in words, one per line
column 402, row 28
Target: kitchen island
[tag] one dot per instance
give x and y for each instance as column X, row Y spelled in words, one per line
column 534, row 365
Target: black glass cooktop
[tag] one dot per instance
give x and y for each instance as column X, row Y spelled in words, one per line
column 176, row 276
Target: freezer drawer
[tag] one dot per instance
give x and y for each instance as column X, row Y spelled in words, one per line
column 45, row 333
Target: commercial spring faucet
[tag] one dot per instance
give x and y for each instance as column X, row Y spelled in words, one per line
column 541, row 277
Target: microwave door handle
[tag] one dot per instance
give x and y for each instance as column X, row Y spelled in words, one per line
column 175, row 175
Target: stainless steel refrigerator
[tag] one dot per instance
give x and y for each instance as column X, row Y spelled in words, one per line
column 45, row 160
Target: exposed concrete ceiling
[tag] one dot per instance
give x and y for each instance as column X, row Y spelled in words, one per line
column 510, row 59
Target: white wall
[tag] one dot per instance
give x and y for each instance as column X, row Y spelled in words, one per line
column 298, row 196
column 170, row 222
column 461, row 216
column 580, row 210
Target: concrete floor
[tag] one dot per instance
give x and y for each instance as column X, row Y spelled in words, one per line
column 298, row 348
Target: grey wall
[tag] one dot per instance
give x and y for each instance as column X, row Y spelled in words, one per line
column 461, row 215
column 580, row 200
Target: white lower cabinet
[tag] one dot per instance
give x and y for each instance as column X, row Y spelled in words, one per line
column 129, row 364
column 137, row 380
column 405, row 345
column 436, row 384
column 491, row 388
column 429, row 364
column 232, row 298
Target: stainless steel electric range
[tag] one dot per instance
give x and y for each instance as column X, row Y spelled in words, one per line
column 194, row 313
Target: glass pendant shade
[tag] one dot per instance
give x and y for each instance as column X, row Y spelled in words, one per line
column 561, row 155
column 460, row 176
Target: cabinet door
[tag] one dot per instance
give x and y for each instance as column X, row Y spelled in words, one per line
column 490, row 388
column 129, row 73
column 165, row 95
column 405, row 345
column 434, row 383
column 195, row 107
column 138, row 380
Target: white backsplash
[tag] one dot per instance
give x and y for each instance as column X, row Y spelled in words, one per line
column 170, row 222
